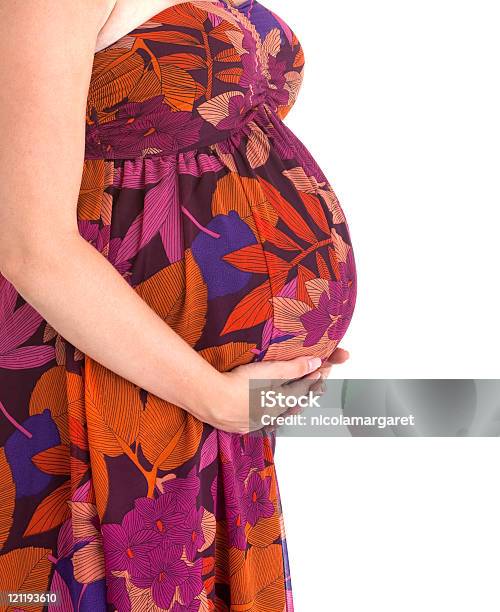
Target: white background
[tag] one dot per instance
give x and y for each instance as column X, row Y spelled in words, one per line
column 400, row 105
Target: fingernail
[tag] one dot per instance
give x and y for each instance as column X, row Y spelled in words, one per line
column 314, row 364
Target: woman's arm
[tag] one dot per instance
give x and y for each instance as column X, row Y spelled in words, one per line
column 47, row 49
column 49, row 45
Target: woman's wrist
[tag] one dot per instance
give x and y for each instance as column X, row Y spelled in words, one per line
column 203, row 392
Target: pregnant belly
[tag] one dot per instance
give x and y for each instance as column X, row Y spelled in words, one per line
column 251, row 258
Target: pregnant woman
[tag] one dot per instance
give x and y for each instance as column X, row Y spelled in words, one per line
column 206, row 248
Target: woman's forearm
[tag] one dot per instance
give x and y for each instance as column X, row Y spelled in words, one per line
column 90, row 305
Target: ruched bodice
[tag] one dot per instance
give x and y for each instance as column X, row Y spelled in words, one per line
column 190, row 76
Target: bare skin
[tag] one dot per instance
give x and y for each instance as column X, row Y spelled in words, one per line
column 83, row 297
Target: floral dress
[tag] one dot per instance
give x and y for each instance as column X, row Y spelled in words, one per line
column 220, row 219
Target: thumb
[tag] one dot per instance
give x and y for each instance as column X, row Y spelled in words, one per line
column 338, row 356
column 278, row 371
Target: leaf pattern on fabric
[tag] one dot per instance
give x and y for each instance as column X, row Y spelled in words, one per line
column 286, row 211
column 178, row 87
column 8, row 498
column 55, row 460
column 258, row 147
column 50, row 393
column 217, row 109
column 179, row 295
column 266, row 578
column 115, row 76
column 111, row 429
column 51, row 512
column 168, row 436
column 59, row 586
column 265, row 532
column 253, row 309
column 228, row 356
column 244, row 196
column 97, row 177
column 89, row 563
column 100, row 479
column 18, row 325
column 25, row 570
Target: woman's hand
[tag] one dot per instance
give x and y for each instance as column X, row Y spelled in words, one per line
column 338, row 356
column 228, row 404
